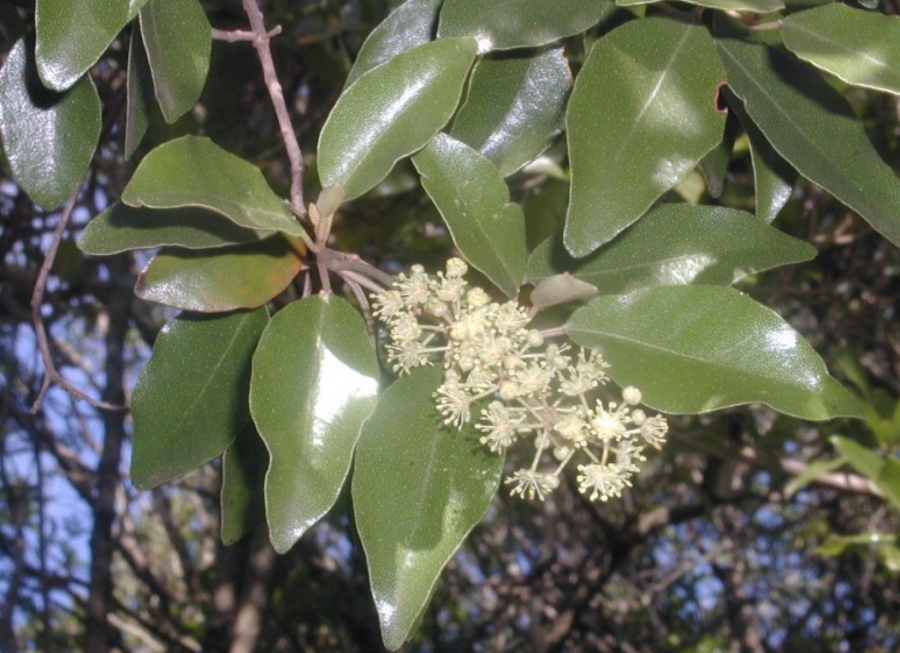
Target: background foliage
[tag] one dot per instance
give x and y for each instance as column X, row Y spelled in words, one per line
column 753, row 530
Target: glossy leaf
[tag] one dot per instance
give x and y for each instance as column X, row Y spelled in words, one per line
column 139, row 91
column 693, row 349
column 812, row 126
column 246, row 276
column 860, row 47
column 773, row 177
column 515, row 107
column 48, row 138
column 121, row 228
column 419, row 488
column 194, row 171
column 178, row 39
column 390, row 112
column 756, row 6
column 506, row 24
column 190, row 401
column 315, row 380
column 628, row 147
column 408, row 26
column 676, row 244
column 474, row 202
column 243, row 503
column 72, row 35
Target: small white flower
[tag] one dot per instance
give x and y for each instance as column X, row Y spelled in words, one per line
column 539, row 391
column 408, row 356
column 604, row 481
column 573, row 428
column 533, row 379
column 527, row 483
column 626, row 453
column 476, row 298
column 455, row 404
column 406, row 328
column 654, row 431
column 388, row 304
column 609, row 425
column 500, row 427
column 450, row 289
column 456, row 268
column 510, row 318
column 534, row 338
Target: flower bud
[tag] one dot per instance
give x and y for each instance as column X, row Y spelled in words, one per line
column 631, row 395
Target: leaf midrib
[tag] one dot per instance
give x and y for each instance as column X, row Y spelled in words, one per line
column 219, row 363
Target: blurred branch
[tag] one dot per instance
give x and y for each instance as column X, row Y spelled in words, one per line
column 51, row 374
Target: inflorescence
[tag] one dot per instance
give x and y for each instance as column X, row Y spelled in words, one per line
column 535, row 389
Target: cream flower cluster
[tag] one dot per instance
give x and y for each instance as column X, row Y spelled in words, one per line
column 539, row 390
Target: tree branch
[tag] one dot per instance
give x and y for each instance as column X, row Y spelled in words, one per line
column 276, row 93
column 51, row 374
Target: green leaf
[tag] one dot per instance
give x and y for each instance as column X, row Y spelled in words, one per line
column 676, row 244
column 390, row 112
column 121, row 228
column 814, row 470
column 515, row 106
column 190, row 401
column 837, row 544
column 883, row 472
column 715, row 164
column 72, row 35
column 628, row 147
column 507, row 24
column 812, row 126
column 773, row 177
column 890, row 556
column 755, row 6
column 860, row 47
column 888, row 481
column 49, row 138
column 693, row 349
column 194, row 171
column 134, row 7
column 139, row 90
column 315, row 380
column 545, row 211
column 245, row 276
column 243, row 502
column 408, row 26
column 419, row 488
column 474, row 202
column 863, row 460
column 178, row 39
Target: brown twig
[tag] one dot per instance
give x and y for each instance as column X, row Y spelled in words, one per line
column 51, row 374
column 276, row 93
column 361, row 280
column 341, row 261
column 238, row 35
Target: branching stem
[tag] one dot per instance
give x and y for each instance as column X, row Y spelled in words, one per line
column 261, row 42
column 51, row 374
